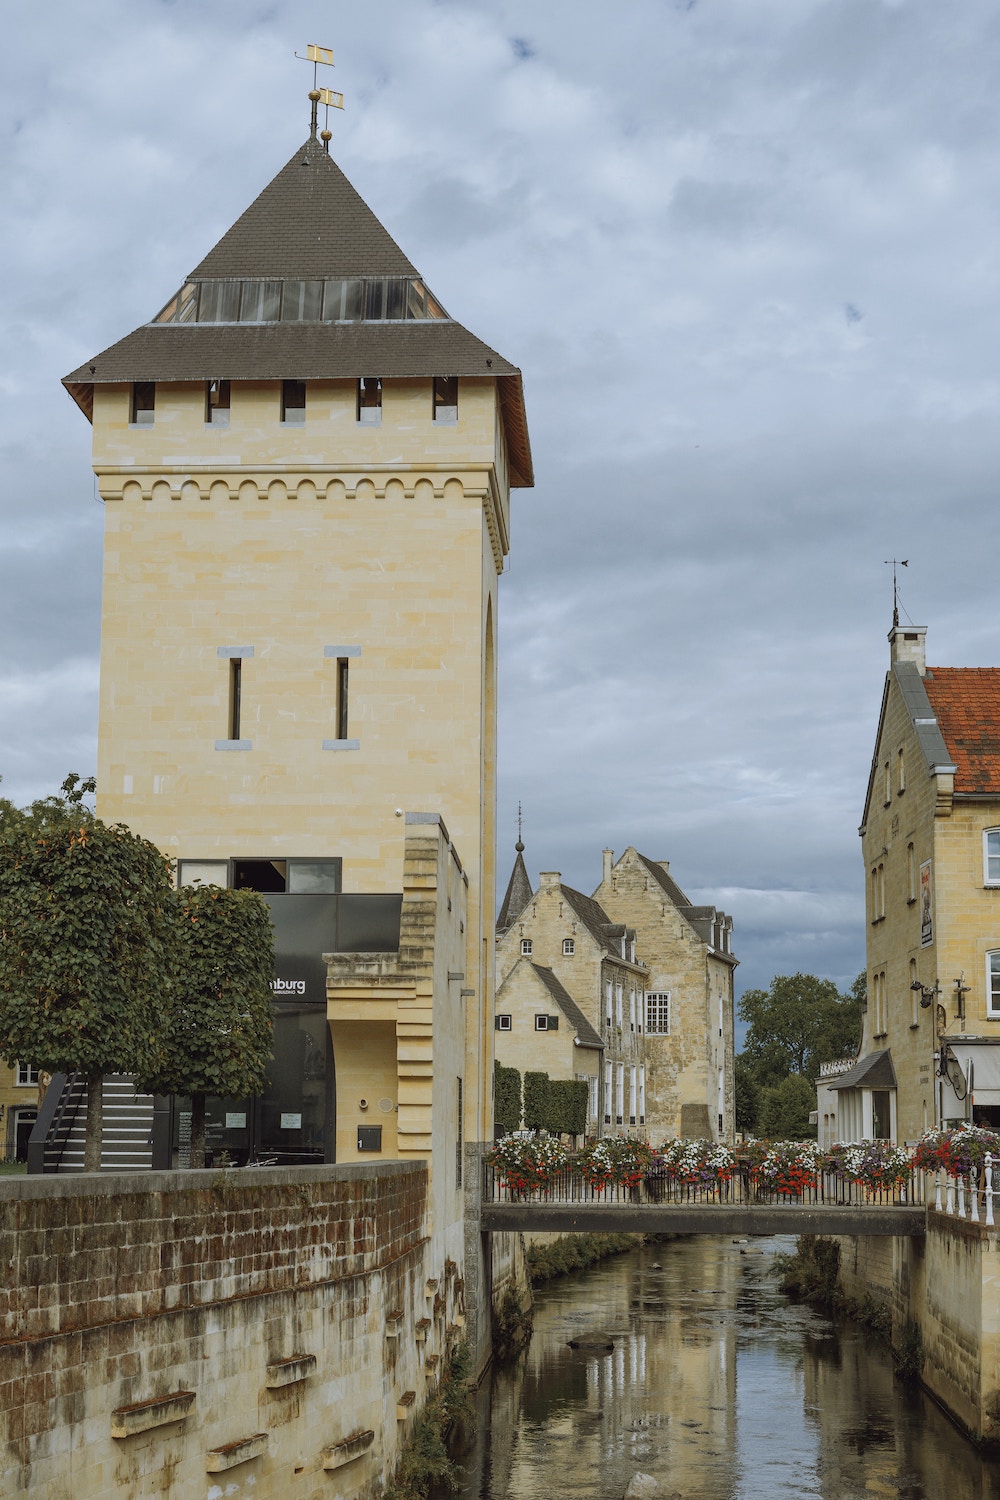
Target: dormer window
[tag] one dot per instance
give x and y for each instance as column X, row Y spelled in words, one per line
column 143, row 403
column 370, row 401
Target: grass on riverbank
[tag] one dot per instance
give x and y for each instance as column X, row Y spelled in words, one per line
column 812, row 1275
column 574, row 1252
column 426, row 1464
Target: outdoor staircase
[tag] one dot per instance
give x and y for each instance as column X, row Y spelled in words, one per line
column 57, row 1141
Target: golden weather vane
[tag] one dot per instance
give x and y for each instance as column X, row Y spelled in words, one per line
column 321, row 56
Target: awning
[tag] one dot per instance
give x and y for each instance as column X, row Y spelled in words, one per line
column 980, row 1062
column 873, row 1072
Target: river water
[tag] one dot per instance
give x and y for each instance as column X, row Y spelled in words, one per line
column 717, row 1386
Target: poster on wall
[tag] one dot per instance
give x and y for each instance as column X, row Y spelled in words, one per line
column 926, row 893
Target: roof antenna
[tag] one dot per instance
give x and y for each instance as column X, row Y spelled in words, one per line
column 317, row 55
column 519, row 846
column 896, row 563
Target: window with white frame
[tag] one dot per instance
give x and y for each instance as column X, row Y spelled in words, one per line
column 642, row 1093
column 569, row 947
column 607, row 1093
column 526, row 947
column 592, row 1100
column 993, row 983
column 911, row 874
column 504, row 1023
column 900, row 772
column 888, row 785
column 546, row 1023
column 27, row 1075
column 633, row 1093
column 657, row 1013
column 991, row 856
column 619, row 1093
column 618, row 1004
column 608, row 1003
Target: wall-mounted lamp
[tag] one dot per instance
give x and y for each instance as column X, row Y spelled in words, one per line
column 926, row 995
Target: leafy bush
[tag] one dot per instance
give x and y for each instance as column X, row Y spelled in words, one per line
column 506, row 1098
column 536, row 1101
column 567, row 1106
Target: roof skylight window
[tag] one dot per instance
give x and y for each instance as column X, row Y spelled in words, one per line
column 371, row 299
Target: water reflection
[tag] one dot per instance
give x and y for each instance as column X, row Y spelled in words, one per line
column 717, row 1386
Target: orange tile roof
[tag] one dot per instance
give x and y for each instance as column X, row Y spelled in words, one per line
column 966, row 701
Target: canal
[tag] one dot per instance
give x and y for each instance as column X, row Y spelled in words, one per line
column 717, row 1386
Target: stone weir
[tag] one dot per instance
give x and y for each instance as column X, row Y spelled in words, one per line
column 219, row 1332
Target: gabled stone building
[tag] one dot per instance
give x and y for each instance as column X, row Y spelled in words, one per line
column 594, row 960
column 930, row 837
column 541, row 1028
column 687, row 1007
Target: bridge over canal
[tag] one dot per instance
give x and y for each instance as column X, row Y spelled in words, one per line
column 828, row 1206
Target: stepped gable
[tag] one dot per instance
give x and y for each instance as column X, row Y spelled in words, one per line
column 519, row 893
column 586, row 1035
column 308, row 225
column 966, row 703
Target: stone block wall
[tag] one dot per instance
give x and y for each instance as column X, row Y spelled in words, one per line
column 946, row 1286
column 261, row 1332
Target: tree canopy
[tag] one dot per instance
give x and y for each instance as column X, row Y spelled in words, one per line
column 214, row 1024
column 86, row 943
column 796, row 1024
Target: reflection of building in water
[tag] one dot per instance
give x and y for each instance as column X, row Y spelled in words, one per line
column 663, row 1398
column 871, row 1442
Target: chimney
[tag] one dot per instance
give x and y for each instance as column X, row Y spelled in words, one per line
column 547, row 879
column 608, row 856
column 906, row 643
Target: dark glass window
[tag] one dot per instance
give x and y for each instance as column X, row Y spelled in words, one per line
column 260, row 874
column 143, row 403
column 446, row 398
column 293, row 401
column 217, row 403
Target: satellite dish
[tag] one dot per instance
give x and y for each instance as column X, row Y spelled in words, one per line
column 955, row 1076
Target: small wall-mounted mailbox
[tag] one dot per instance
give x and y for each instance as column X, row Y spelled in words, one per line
column 369, row 1137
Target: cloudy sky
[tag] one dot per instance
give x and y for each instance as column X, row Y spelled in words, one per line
column 746, row 255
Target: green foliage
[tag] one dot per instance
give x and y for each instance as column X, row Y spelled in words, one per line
column 796, row 1024
column 506, row 1098
column 747, row 1097
column 536, row 1101
column 86, row 917
column 425, row 1463
column 215, row 1019
column 574, row 1252
column 512, row 1327
column 812, row 1274
column 785, row 1109
column 567, row 1106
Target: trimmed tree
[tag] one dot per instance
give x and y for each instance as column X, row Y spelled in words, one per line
column 215, row 1022
column 506, row 1098
column 86, row 945
column 536, row 1101
column 568, row 1106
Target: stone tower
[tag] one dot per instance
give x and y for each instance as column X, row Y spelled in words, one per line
column 306, row 466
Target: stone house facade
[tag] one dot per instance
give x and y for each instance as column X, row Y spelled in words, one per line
column 540, row 1028
column 930, row 836
column 687, row 1019
column 594, row 960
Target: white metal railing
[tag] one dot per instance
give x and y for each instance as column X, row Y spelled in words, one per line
column 963, row 1197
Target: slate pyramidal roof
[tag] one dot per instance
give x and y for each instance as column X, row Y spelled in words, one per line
column 309, row 225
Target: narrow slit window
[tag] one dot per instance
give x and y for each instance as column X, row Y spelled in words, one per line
column 143, row 403
column 235, row 694
column 217, row 403
column 343, row 680
column 293, row 402
column 370, row 401
column 446, row 399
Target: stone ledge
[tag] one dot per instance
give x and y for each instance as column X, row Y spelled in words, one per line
column 142, row 1416
column 230, row 1454
column 287, row 1371
column 421, row 1329
column 405, row 1405
column 348, row 1449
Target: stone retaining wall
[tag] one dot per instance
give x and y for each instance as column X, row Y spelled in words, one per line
column 946, row 1286
column 264, row 1332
